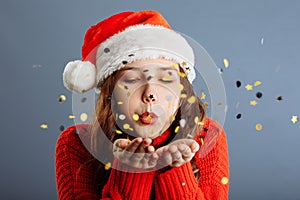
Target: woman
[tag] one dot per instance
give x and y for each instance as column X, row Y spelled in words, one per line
column 148, row 122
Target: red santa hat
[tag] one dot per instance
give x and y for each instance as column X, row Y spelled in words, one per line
column 124, row 38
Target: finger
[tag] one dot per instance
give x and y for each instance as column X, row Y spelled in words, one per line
column 166, row 158
column 185, row 150
column 194, row 147
column 132, row 147
column 147, row 142
column 150, row 149
column 153, row 160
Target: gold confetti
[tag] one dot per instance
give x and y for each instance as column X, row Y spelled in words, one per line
column 253, row 103
column 203, row 95
column 62, row 98
column 87, row 75
column 176, row 66
column 192, row 99
column 201, row 123
column 183, row 96
column 126, row 126
column 120, row 102
column 196, row 120
column 71, row 117
column 128, row 94
column 135, row 117
column 131, row 129
column 167, row 78
column 180, row 87
column 294, row 119
column 258, row 127
column 226, row 62
column 182, row 74
column 148, row 117
column 177, row 129
column 107, row 166
column 249, row 87
column 44, row 126
column 121, row 86
column 118, row 132
column 257, row 83
column 183, row 63
column 206, row 104
column 83, row 117
column 172, row 118
column 202, row 141
column 224, row 180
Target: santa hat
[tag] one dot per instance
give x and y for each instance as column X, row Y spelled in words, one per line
column 124, row 38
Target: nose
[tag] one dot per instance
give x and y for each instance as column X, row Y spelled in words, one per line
column 149, row 96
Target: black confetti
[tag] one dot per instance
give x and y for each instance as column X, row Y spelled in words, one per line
column 259, row 95
column 106, row 50
column 238, row 116
column 61, row 128
column 279, row 98
column 83, row 99
column 130, row 55
column 238, row 84
column 124, row 62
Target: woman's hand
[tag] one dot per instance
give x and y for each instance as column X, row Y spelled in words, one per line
column 137, row 153
column 177, row 153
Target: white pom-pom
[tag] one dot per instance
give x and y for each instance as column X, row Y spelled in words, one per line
column 79, row 76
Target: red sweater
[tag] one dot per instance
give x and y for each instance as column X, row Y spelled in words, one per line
column 76, row 180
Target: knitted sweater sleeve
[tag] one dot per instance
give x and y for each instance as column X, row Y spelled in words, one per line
column 75, row 174
column 212, row 162
column 74, row 170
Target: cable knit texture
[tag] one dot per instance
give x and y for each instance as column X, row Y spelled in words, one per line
column 75, row 172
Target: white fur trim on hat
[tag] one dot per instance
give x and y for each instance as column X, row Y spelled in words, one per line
column 143, row 42
column 79, row 76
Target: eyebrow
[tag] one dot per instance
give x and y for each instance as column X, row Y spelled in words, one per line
column 144, row 70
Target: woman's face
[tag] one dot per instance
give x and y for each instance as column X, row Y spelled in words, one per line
column 146, row 97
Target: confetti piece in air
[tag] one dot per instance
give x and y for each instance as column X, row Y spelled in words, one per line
column 219, row 104
column 167, row 78
column 202, row 95
column 61, row 128
column 121, row 86
column 135, row 117
column 128, row 94
column 44, row 126
column 83, row 117
column 83, row 99
column 118, row 132
column 122, row 117
column 120, row 102
column 107, row 166
column 238, row 116
column 87, row 75
column 294, row 119
column 192, row 99
column 62, row 98
column 183, row 184
column 180, row 87
column 262, row 41
column 177, row 129
column 36, row 66
column 259, row 95
column 224, row 180
column 196, row 120
column 201, row 123
column 279, row 98
column 220, row 70
column 169, row 98
column 257, row 83
column 183, row 96
column 238, row 84
column 206, row 104
column 182, row 122
column 183, row 63
column 226, row 62
column 258, row 127
column 172, row 118
column 237, row 105
column 71, row 117
column 253, row 103
column 126, row 126
column 249, row 87
column 176, row 66
column 182, row 74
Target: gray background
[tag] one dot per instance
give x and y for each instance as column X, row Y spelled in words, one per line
column 38, row 37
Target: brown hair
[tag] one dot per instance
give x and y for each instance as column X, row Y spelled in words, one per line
column 103, row 125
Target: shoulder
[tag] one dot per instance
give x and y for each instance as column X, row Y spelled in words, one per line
column 211, row 136
column 70, row 140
